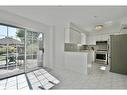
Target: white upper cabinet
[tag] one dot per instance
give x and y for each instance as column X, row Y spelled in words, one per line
column 74, row 35
column 67, row 35
column 83, row 38
column 91, row 40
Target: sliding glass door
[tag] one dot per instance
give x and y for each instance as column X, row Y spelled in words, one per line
column 3, row 51
column 34, row 50
column 10, row 43
column 20, row 50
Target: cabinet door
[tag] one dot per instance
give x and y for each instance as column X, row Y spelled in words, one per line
column 67, row 35
column 91, row 40
column 75, row 37
column 83, row 38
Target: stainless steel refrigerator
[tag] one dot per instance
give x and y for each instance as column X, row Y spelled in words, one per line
column 118, row 59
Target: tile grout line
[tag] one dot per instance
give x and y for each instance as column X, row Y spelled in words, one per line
column 28, row 82
column 17, row 82
column 6, row 84
column 44, row 77
column 38, row 79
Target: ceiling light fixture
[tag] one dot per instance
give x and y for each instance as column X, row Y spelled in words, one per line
column 99, row 27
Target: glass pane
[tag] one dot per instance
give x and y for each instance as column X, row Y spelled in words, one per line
column 29, row 34
column 16, row 50
column 35, row 46
column 20, row 33
column 20, row 49
column 3, row 51
column 34, row 56
column 41, row 49
column 12, row 32
column 29, row 46
column 40, row 37
column 35, row 35
column 12, row 51
column 11, row 58
column 3, row 31
column 29, row 52
column 3, row 60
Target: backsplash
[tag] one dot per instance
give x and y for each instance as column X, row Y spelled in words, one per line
column 78, row 47
column 71, row 47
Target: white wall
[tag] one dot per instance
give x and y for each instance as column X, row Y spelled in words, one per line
column 12, row 19
column 59, row 45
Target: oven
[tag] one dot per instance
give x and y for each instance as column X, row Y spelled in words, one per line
column 101, row 56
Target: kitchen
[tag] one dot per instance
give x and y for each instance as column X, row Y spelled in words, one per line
column 73, row 40
column 98, row 49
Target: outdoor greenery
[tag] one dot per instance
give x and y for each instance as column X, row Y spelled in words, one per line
column 32, row 46
column 3, row 51
column 2, row 58
column 20, row 33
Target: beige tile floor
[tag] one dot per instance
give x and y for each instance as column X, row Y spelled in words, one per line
column 96, row 79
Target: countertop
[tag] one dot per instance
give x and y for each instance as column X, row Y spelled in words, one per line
column 82, row 51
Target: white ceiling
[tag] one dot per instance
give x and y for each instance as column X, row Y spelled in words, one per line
column 85, row 17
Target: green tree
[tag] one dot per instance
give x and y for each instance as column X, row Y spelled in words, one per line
column 21, row 34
